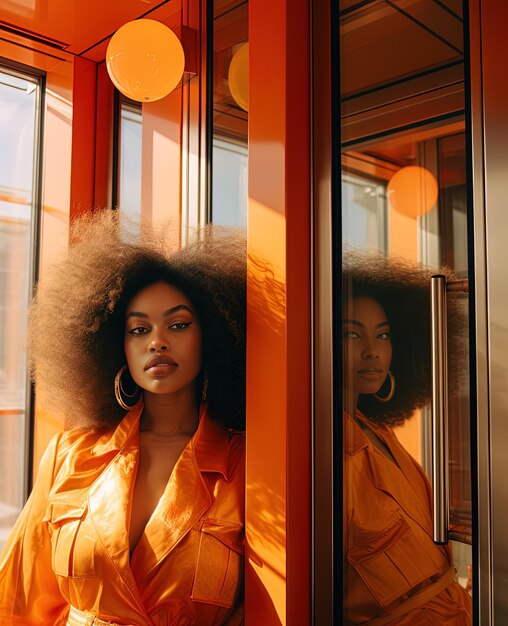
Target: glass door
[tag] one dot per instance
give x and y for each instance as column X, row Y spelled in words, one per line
column 407, row 495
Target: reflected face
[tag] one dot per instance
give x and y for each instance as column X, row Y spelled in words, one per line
column 162, row 339
column 367, row 346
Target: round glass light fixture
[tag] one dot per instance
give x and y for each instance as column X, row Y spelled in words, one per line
column 145, row 60
column 238, row 77
column 412, row 191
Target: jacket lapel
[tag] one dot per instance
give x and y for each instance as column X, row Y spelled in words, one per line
column 186, row 497
column 109, row 496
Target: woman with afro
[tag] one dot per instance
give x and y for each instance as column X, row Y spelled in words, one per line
column 393, row 571
column 137, row 513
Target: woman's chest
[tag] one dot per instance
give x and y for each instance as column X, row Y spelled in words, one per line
column 156, row 462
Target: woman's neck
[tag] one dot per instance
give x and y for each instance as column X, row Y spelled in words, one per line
column 170, row 414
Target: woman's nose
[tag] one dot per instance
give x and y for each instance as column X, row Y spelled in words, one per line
column 370, row 350
column 157, row 343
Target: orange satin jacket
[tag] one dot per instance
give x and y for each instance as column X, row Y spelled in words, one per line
column 70, row 546
column 389, row 552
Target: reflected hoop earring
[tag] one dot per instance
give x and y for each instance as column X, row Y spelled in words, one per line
column 125, row 399
column 390, row 393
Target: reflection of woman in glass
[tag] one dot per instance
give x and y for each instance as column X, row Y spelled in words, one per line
column 394, row 573
column 137, row 513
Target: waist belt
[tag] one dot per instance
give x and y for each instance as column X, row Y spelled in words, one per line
column 82, row 618
column 419, row 598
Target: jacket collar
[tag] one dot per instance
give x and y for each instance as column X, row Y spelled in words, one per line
column 116, row 440
column 354, row 438
column 209, row 442
column 411, row 491
column 210, row 445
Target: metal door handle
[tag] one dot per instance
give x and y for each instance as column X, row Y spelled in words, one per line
column 439, row 408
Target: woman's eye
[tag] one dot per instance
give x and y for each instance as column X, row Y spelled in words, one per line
column 180, row 325
column 351, row 334
column 138, row 330
column 384, row 336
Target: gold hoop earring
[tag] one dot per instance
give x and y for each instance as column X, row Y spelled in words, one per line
column 390, row 393
column 126, row 400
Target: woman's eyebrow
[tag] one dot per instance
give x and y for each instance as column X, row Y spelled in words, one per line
column 178, row 307
column 136, row 314
column 170, row 311
column 354, row 322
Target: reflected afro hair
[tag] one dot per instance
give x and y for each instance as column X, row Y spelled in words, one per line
column 77, row 318
column 403, row 290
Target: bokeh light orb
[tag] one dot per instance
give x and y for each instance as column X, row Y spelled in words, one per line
column 145, row 60
column 238, row 77
column 412, row 191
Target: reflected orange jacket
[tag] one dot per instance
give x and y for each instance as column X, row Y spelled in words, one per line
column 389, row 552
column 70, row 546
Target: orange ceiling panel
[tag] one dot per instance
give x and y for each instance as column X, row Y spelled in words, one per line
column 167, row 12
column 76, row 26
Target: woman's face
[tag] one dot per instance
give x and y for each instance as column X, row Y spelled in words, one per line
column 162, row 339
column 367, row 346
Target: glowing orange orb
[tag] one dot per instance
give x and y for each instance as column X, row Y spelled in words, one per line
column 145, row 60
column 238, row 77
column 412, row 191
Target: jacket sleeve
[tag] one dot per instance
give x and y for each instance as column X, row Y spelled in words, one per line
column 29, row 592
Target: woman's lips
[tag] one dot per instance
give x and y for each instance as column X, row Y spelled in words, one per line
column 159, row 371
column 159, row 366
column 371, row 374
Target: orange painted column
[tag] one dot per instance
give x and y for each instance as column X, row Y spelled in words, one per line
column 92, row 137
column 278, row 317
column 83, row 136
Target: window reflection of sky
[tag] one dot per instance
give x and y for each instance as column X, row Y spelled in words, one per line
column 18, row 153
column 130, row 161
column 364, row 214
column 230, row 183
column 17, row 127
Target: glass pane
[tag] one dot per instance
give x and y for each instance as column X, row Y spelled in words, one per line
column 18, row 108
column 130, row 152
column 364, row 224
column 404, row 217
column 230, row 114
column 230, row 183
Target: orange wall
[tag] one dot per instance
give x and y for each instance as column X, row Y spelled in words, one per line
column 278, row 330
